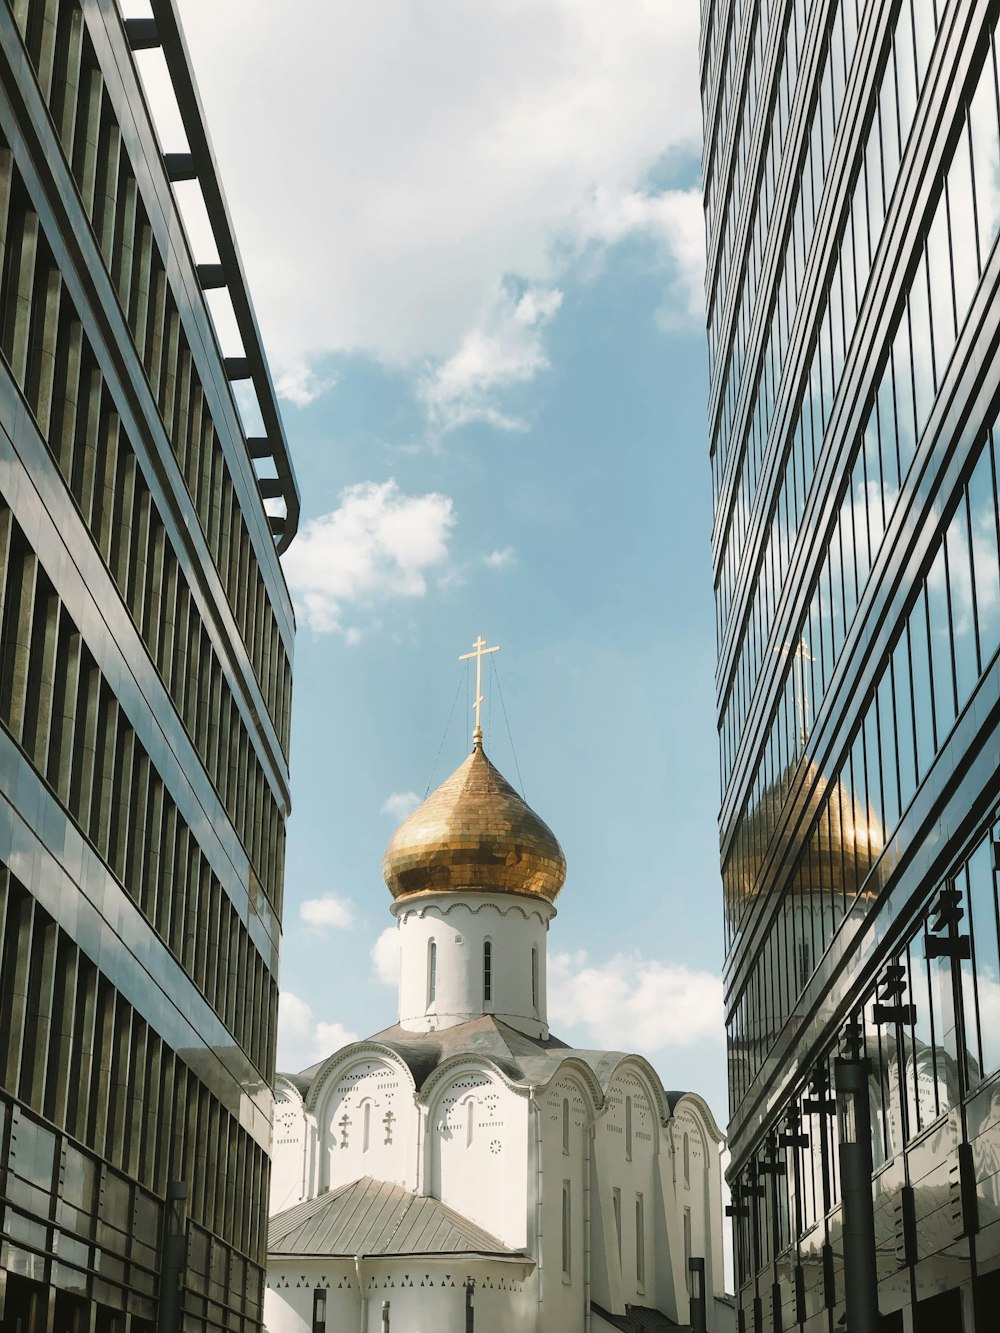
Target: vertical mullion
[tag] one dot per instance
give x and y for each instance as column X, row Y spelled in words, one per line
column 60, row 763
column 68, row 82
column 61, row 1038
column 24, row 578
column 88, row 136
column 106, row 485
column 62, row 439
column 108, row 177
column 88, row 429
column 46, row 343
column 23, row 288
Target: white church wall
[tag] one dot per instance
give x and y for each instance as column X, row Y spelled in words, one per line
column 289, row 1294
column 443, row 968
column 366, row 1123
column 699, row 1188
column 424, row 1296
column 629, row 1152
column 691, row 1184
column 478, row 1150
column 566, row 1112
column 290, row 1132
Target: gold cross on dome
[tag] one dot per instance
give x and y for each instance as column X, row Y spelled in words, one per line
column 479, row 651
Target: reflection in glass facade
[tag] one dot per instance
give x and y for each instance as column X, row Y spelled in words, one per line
column 145, row 684
column 852, row 202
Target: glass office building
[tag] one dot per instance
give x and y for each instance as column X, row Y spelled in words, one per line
column 852, row 203
column 145, row 645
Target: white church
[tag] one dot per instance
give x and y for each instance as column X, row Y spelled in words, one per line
column 465, row 1169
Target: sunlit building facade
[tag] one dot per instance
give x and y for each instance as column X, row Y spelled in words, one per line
column 145, row 648
column 852, row 201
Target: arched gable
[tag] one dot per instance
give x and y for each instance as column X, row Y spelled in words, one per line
column 578, row 1070
column 478, row 1145
column 696, row 1106
column 367, row 1124
column 639, row 1068
column 334, row 1066
column 291, row 1133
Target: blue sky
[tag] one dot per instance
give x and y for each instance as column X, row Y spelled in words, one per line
column 474, row 239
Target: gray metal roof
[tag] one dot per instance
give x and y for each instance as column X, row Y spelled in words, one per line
column 373, row 1217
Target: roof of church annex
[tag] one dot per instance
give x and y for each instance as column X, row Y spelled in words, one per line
column 475, row 833
column 375, row 1218
column 526, row 1062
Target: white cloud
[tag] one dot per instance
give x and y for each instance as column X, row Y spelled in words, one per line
column 385, row 957
column 421, row 153
column 501, row 559
column 672, row 219
column 504, row 350
column 400, row 804
column 302, row 1039
column 301, row 386
column 378, row 543
column 337, row 913
column 634, row 1003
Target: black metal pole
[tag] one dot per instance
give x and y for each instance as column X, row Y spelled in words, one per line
column 860, row 1271
column 174, row 1258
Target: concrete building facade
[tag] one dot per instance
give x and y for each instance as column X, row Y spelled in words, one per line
column 145, row 682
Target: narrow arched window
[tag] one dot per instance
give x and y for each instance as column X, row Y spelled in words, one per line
column 628, row 1129
column 366, row 1127
column 640, row 1242
column 565, row 1124
column 687, row 1160
column 534, row 978
column 567, row 1228
column 470, row 1121
column 432, row 967
column 488, row 972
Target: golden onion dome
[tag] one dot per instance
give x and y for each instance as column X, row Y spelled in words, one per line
column 474, row 834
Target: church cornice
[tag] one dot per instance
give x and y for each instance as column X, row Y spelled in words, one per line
column 508, row 904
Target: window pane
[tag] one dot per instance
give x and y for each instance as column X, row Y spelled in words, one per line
column 962, row 221
column 986, row 955
column 985, row 559
column 983, row 124
column 903, row 700
column 963, row 628
column 923, row 709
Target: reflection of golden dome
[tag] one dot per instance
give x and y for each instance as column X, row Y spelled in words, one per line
column 474, row 833
column 843, row 847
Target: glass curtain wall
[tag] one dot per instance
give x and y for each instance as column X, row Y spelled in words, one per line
column 852, row 204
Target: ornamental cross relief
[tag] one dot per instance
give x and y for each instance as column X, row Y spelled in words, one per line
column 387, row 1120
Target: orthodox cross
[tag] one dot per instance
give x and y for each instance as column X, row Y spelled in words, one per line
column 479, row 651
column 387, row 1120
column 344, row 1124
